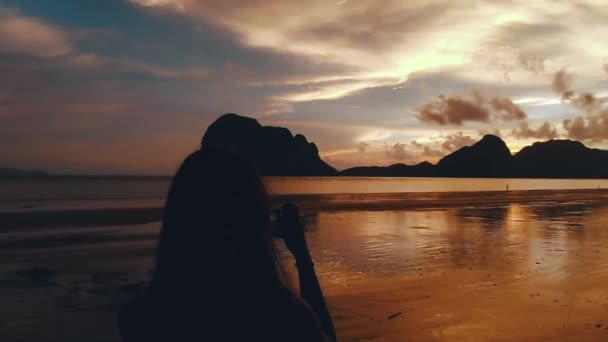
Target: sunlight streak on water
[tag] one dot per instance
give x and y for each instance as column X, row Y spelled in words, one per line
column 512, row 237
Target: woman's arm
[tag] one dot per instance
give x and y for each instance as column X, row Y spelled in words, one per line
column 310, row 290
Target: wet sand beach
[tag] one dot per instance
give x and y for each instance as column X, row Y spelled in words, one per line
column 494, row 266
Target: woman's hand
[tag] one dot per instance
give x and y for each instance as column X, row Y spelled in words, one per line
column 293, row 232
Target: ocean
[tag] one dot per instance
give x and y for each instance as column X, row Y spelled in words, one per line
column 154, row 188
column 422, row 259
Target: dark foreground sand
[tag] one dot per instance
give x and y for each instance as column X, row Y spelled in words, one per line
column 528, row 266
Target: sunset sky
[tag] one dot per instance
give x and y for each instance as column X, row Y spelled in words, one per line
column 90, row 86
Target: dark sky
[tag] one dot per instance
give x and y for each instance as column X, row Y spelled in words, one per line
column 114, row 86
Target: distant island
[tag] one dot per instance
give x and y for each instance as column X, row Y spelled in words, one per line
column 277, row 152
column 274, row 150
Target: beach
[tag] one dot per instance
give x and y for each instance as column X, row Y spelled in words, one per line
column 436, row 266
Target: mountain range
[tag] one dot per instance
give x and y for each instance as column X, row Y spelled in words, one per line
column 277, row 152
column 490, row 158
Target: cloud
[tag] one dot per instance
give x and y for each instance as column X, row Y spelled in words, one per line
column 174, row 4
column 428, row 152
column 128, row 66
column 397, row 152
column 507, row 110
column 532, row 63
column 439, row 147
column 453, row 111
column 385, row 43
column 380, row 25
column 585, row 101
column 456, row 110
column 561, row 84
column 329, row 64
column 22, row 35
column 362, row 146
column 25, row 36
column 537, row 101
column 545, row 131
column 593, row 128
column 329, row 90
column 456, row 141
column 496, row 132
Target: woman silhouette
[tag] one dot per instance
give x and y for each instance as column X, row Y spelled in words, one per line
column 217, row 274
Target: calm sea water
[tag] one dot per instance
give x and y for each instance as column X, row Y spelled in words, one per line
column 533, row 270
column 113, row 189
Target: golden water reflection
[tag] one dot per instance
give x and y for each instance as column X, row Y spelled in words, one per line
column 467, row 273
column 516, row 236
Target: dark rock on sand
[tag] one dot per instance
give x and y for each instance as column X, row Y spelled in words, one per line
column 395, row 315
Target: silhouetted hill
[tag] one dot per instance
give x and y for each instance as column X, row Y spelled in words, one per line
column 560, row 159
column 489, row 157
column 18, row 173
column 278, row 153
column 424, row 169
column 274, row 150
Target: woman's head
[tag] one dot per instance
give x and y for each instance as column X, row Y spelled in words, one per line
column 216, row 225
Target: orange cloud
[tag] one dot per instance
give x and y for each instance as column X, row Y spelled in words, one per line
column 453, row 111
column 30, row 36
column 508, row 110
column 532, row 63
column 397, row 152
column 455, row 141
column 545, row 131
column 561, row 83
column 593, row 128
column 587, row 102
column 456, row 110
column 362, row 146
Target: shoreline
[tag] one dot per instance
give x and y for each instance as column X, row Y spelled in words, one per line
column 105, row 216
column 68, row 177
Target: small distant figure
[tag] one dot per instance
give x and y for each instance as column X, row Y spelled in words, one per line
column 507, row 187
column 218, row 276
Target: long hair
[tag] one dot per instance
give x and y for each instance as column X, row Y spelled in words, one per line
column 215, row 233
